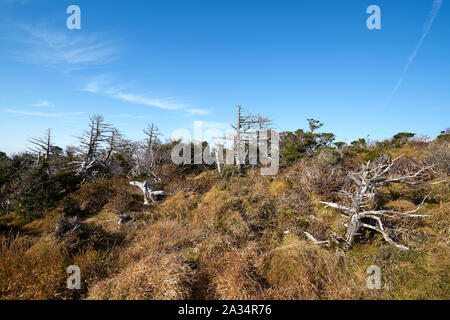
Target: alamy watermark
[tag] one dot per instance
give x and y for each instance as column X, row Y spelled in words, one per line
column 374, row 20
column 74, row 20
column 74, row 280
column 374, row 280
column 240, row 148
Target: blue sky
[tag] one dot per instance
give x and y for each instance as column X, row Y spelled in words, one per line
column 176, row 62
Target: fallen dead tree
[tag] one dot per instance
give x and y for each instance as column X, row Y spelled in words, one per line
column 148, row 192
column 311, row 238
column 66, row 226
column 367, row 183
column 124, row 218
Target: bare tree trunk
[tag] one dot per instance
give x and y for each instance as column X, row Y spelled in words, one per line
column 238, row 140
column 245, row 123
column 353, row 227
column 44, row 146
column 218, row 162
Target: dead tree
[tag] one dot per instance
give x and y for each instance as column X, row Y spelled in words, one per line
column 367, row 183
column 124, row 218
column 146, row 188
column 145, row 156
column 243, row 124
column 246, row 126
column 66, row 226
column 152, row 133
column 263, row 123
column 114, row 142
column 217, row 153
column 150, row 152
column 97, row 145
column 42, row 147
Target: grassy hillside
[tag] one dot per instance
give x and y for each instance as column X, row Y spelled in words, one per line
column 233, row 236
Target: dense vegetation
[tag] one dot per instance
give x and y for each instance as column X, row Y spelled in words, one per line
column 238, row 235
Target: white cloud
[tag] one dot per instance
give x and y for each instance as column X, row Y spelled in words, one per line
column 159, row 103
column 42, row 114
column 103, row 85
column 130, row 116
column 43, row 104
column 98, row 83
column 198, row 111
column 14, row 1
column 57, row 49
column 32, row 113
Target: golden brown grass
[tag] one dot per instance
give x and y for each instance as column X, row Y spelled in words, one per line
column 227, row 239
column 180, row 205
column 31, row 270
column 236, row 277
column 157, row 276
column 300, row 270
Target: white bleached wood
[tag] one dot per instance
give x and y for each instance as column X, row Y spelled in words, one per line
column 147, row 191
column 373, row 176
column 314, row 240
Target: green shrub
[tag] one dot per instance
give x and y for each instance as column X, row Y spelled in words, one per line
column 404, row 135
column 66, row 180
column 358, row 149
column 230, row 172
column 294, row 146
column 374, row 154
column 444, row 137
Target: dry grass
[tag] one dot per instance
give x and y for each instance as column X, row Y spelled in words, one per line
column 95, row 265
column 157, row 276
column 300, row 270
column 225, row 239
column 36, row 269
column 121, row 201
column 278, row 187
column 179, row 206
column 92, row 196
column 236, row 278
column 43, row 226
column 31, row 270
column 162, row 236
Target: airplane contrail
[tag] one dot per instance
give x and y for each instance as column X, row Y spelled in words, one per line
column 427, row 27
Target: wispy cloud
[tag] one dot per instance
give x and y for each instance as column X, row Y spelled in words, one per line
column 32, row 113
column 45, row 47
column 129, row 116
column 201, row 112
column 102, row 85
column 42, row 114
column 426, row 29
column 14, row 1
column 207, row 125
column 42, row 104
column 159, row 103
